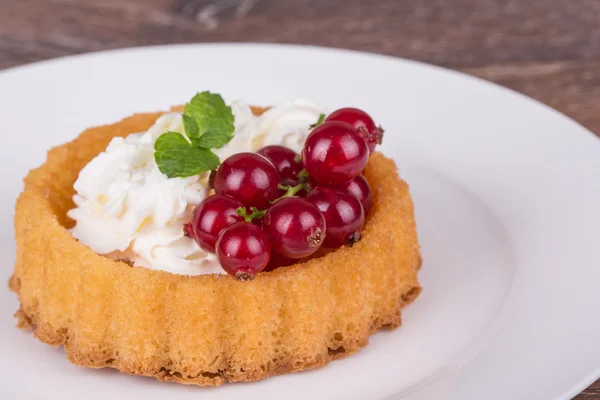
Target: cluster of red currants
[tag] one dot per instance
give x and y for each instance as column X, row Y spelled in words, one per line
column 275, row 206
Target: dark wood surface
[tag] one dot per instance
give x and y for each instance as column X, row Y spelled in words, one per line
column 547, row 49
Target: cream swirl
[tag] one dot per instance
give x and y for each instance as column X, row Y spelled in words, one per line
column 127, row 209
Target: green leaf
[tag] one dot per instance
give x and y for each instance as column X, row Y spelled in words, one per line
column 190, row 126
column 319, row 121
column 212, row 125
column 177, row 157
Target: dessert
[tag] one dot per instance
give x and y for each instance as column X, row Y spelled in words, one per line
column 134, row 255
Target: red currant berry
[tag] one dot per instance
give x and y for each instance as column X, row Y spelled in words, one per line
column 277, row 260
column 334, row 153
column 362, row 121
column 243, row 250
column 210, row 217
column 284, row 160
column 359, row 188
column 344, row 216
column 258, row 222
column 295, row 226
column 248, row 177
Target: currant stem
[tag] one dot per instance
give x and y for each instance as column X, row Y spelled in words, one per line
column 255, row 213
column 319, row 121
column 290, row 190
column 303, row 176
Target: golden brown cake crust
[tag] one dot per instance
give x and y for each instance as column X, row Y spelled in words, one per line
column 208, row 329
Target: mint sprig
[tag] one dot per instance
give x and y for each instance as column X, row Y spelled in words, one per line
column 208, row 124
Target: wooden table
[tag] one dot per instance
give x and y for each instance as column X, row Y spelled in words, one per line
column 547, row 49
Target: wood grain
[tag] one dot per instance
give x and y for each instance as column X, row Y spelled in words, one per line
column 547, row 49
column 455, row 33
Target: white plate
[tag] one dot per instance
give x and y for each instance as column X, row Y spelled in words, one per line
column 506, row 192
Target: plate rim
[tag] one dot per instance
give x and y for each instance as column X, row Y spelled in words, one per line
column 271, row 46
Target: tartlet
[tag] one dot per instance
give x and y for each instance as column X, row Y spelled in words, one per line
column 207, row 329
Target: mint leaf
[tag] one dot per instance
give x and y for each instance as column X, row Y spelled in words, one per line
column 212, row 125
column 176, row 157
column 190, row 126
column 319, row 121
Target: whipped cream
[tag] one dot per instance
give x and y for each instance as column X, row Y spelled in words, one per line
column 127, row 209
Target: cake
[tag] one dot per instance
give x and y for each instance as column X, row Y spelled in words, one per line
column 211, row 328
